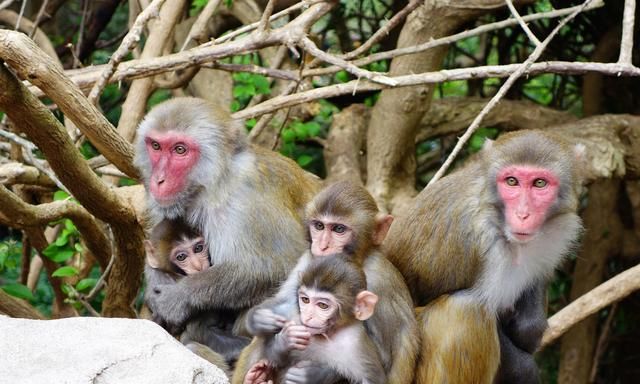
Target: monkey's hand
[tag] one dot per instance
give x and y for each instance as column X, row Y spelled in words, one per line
column 294, row 336
column 259, row 373
column 308, row 372
column 265, row 321
column 168, row 306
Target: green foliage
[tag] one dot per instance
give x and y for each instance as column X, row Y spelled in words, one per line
column 158, row 97
column 196, row 6
column 66, row 271
column 298, row 134
column 479, row 136
column 66, row 244
column 247, row 85
column 20, row 291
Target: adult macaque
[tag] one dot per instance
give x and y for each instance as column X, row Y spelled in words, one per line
column 177, row 249
column 247, row 202
column 344, row 218
column 478, row 245
column 327, row 329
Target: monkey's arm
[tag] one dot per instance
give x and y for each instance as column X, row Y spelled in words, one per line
column 525, row 325
column 237, row 285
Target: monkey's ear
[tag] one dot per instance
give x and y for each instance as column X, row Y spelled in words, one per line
column 152, row 258
column 365, row 304
column 383, row 223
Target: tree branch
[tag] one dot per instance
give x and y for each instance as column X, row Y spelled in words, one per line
column 611, row 291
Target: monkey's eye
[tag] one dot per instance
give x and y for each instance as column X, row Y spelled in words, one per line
column 155, row 145
column 511, row 181
column 182, row 256
column 318, row 225
column 180, row 149
column 198, row 248
column 322, row 305
column 540, row 183
column 339, row 228
column 304, row 299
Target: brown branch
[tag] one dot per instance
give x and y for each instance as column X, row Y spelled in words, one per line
column 14, row 307
column 128, row 43
column 23, row 56
column 197, row 31
column 18, row 173
column 607, row 293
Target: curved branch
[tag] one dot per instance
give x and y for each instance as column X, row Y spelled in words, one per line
column 14, row 307
column 607, row 293
column 31, row 63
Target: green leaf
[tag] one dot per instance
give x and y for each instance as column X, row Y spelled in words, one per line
column 313, row 128
column 304, row 160
column 262, row 84
column 68, row 224
column 288, row 135
column 250, row 123
column 78, row 247
column 244, row 90
column 63, row 239
column 342, row 77
column 60, row 195
column 85, row 284
column 65, row 272
column 18, row 290
column 61, row 255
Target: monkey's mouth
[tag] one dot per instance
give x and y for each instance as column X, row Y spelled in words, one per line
column 523, row 237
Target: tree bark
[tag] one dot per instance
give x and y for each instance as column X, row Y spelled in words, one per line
column 603, row 238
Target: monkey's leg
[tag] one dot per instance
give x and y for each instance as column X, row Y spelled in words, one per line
column 517, row 366
column 459, row 342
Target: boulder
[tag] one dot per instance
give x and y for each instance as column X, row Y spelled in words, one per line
column 97, row 350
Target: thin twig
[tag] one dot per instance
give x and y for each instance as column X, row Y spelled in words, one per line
column 200, row 25
column 602, row 342
column 310, row 47
column 626, row 44
column 5, row 4
column 128, row 43
column 450, row 39
column 264, row 20
column 38, row 20
column 286, row 116
column 29, row 147
column 85, row 11
column 522, row 23
column 101, row 281
column 501, row 92
column 22, row 7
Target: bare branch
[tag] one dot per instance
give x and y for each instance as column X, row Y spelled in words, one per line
column 200, row 25
column 21, row 53
column 128, row 43
column 626, row 45
column 501, row 92
column 611, row 291
column 522, row 23
column 263, row 25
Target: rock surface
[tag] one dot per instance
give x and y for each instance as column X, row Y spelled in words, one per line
column 97, row 350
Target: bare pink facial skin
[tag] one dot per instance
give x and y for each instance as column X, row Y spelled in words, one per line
column 172, row 156
column 527, row 192
column 328, row 236
column 317, row 310
column 191, row 256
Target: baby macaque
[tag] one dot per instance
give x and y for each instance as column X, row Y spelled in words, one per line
column 326, row 330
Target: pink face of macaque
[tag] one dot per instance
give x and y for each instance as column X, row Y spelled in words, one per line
column 318, row 310
column 172, row 157
column 191, row 256
column 528, row 193
column 328, row 236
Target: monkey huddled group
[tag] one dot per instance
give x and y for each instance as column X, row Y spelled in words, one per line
column 258, row 267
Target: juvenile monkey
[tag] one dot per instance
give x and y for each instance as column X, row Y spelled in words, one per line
column 344, row 218
column 247, row 202
column 479, row 245
column 175, row 247
column 179, row 250
column 332, row 302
